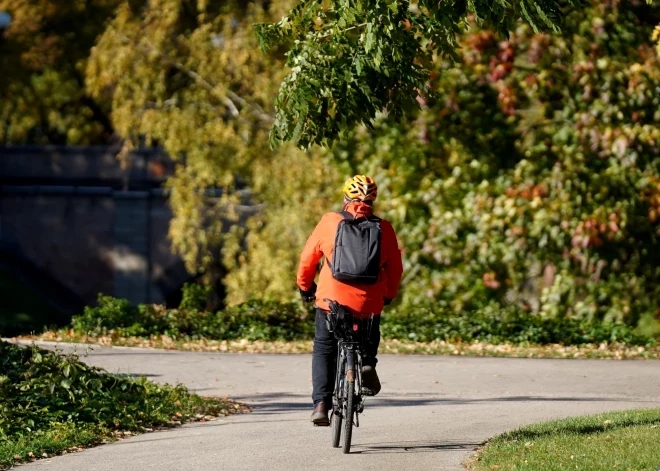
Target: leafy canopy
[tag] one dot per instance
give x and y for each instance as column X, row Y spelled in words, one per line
column 43, row 54
column 350, row 60
column 530, row 178
column 189, row 76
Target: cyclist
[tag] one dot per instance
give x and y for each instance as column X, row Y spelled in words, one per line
column 362, row 300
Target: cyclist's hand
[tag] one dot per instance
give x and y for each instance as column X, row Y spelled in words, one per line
column 308, row 296
column 387, row 301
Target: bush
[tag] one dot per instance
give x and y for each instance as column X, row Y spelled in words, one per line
column 254, row 320
column 50, row 401
column 263, row 320
column 194, row 296
column 109, row 314
column 496, row 325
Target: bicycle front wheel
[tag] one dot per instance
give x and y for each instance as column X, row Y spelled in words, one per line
column 348, row 415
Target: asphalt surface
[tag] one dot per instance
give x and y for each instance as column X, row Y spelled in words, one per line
column 432, row 413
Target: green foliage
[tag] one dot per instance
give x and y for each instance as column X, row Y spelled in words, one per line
column 495, row 325
column 262, row 258
column 259, row 320
column 252, row 321
column 58, row 438
column 50, row 401
column 350, row 61
column 110, row 312
column 188, row 76
column 43, row 55
column 530, row 180
column 615, row 440
column 194, row 296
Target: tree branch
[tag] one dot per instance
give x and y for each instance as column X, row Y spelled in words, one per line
column 229, row 98
column 361, row 25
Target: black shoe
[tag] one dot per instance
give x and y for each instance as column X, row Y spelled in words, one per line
column 370, row 381
column 320, row 415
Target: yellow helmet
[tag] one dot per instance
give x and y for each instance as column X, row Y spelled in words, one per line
column 361, row 187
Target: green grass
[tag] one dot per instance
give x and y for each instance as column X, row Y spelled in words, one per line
column 628, row 440
column 51, row 403
column 60, row 438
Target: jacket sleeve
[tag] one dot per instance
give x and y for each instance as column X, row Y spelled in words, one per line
column 393, row 265
column 310, row 257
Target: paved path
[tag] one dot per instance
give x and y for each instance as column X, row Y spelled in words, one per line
column 431, row 414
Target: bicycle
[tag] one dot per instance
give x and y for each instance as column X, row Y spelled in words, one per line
column 349, row 396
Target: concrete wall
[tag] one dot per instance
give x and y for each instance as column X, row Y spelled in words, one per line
column 83, row 166
column 81, row 219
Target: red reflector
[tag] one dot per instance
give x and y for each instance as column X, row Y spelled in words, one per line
column 355, row 327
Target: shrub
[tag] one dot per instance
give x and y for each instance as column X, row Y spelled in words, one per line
column 504, row 325
column 110, row 313
column 254, row 320
column 50, row 401
column 267, row 320
column 194, row 296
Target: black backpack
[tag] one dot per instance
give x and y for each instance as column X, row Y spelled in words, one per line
column 356, row 257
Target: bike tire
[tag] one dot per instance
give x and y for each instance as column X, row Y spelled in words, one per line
column 336, row 429
column 348, row 422
column 337, row 413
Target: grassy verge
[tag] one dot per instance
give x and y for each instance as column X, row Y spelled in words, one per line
column 602, row 351
column 52, row 404
column 614, row 441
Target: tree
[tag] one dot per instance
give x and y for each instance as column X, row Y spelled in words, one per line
column 42, row 56
column 527, row 178
column 531, row 178
column 351, row 60
column 189, row 76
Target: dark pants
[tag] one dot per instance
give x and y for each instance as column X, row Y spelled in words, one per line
column 324, row 358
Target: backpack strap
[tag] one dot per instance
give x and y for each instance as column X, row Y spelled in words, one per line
column 349, row 216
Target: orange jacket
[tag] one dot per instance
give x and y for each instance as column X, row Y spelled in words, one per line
column 361, row 298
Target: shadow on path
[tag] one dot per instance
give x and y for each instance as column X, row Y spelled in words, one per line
column 413, row 447
column 283, row 402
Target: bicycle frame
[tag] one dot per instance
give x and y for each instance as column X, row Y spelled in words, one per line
column 352, row 335
column 349, row 368
column 350, row 356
